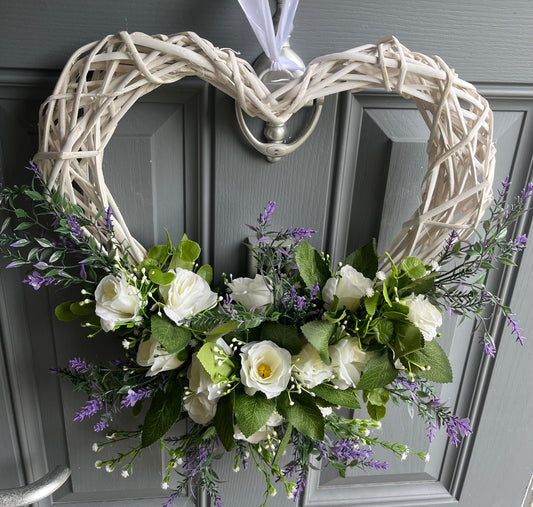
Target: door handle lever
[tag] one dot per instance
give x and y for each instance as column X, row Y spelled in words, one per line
column 35, row 491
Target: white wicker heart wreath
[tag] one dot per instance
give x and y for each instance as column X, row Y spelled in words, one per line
column 104, row 79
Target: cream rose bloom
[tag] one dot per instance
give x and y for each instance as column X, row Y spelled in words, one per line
column 200, row 408
column 151, row 353
column 309, row 368
column 349, row 286
column 265, row 367
column 261, row 434
column 200, row 381
column 251, row 292
column 116, row 302
column 423, row 315
column 347, row 362
column 187, row 295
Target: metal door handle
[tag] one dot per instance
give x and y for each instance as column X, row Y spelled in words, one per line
column 35, row 491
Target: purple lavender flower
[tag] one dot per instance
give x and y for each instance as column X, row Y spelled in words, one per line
column 300, row 485
column 488, row 348
column 520, row 242
column 101, row 425
column 135, row 396
column 92, row 407
column 108, row 222
column 298, row 233
column 36, row 280
column 450, row 241
column 527, row 192
column 78, row 365
column 34, row 169
column 457, row 428
column 314, row 291
column 170, row 500
column 506, row 182
column 431, row 431
column 195, row 459
column 74, row 227
column 511, row 321
column 267, row 215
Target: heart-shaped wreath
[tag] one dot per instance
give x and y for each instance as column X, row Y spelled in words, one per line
column 265, row 363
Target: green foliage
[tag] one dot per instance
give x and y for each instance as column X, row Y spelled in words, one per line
column 224, row 420
column 283, row 336
column 379, row 371
column 172, row 337
column 434, row 360
column 312, row 267
column 218, row 372
column 303, row 414
column 318, row 333
column 365, row 259
column 344, row 398
column 407, row 339
column 252, row 412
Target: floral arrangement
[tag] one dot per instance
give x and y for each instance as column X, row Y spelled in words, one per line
column 261, row 367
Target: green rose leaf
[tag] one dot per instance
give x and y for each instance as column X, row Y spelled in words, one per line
column 158, row 253
column 206, row 356
column 221, row 330
column 224, row 421
column 206, row 272
column 345, row 398
column 64, row 313
column 378, row 397
column 304, row 415
column 252, row 412
column 157, row 276
column 283, row 336
column 172, row 337
column 376, row 412
column 420, row 286
column 162, row 414
column 407, row 339
column 434, row 357
column 312, row 267
column 379, row 371
column 413, row 267
column 318, row 333
column 365, row 259
column 384, row 330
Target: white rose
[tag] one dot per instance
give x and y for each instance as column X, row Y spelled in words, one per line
column 349, row 286
column 200, row 381
column 265, row 367
column 261, row 434
column 187, row 295
column 347, row 362
column 423, row 315
column 200, row 408
column 251, row 292
column 309, row 369
column 151, row 353
column 116, row 302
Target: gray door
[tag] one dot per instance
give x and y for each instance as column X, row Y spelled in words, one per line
column 178, row 161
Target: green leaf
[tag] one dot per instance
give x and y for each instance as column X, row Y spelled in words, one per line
column 379, row 371
column 186, row 253
column 413, row 267
column 376, row 412
column 283, row 336
column 218, row 372
column 162, row 414
column 55, row 256
column 44, row 242
column 371, row 304
column 304, row 415
column 172, row 337
column 33, row 195
column 20, row 213
column 221, row 330
column 313, row 269
column 345, row 398
column 23, row 226
column 64, row 313
column 407, row 339
column 420, row 286
column 147, row 264
column 384, row 330
column 365, row 259
column 224, row 421
column 252, row 412
column 5, row 223
column 318, row 333
column 82, row 310
column 378, row 396
column 157, row 276
column 206, row 272
column 158, row 253
column 432, row 355
column 284, row 442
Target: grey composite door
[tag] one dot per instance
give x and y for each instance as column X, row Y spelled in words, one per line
column 178, row 161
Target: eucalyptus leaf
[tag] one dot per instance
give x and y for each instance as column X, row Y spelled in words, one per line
column 158, row 253
column 379, row 396
column 383, row 329
column 158, row 277
column 413, row 267
column 376, row 412
column 206, row 272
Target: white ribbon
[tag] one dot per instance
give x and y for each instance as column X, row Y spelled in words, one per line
column 260, row 19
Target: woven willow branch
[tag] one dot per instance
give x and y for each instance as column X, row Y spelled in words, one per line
column 104, row 79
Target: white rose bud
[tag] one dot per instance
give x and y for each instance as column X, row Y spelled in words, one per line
column 347, row 362
column 151, row 353
column 265, row 367
column 187, row 295
column 309, row 368
column 251, row 292
column 423, row 315
column 201, row 410
column 200, row 381
column 116, row 302
column 349, row 286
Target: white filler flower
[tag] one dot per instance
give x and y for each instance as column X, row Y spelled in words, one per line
column 349, row 286
column 251, row 292
column 265, row 367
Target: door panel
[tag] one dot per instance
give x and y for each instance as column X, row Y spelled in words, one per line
column 177, row 161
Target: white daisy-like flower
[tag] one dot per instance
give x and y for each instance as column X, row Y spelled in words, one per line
column 369, row 292
column 380, row 275
column 164, row 485
column 126, row 344
column 427, row 458
column 125, row 473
